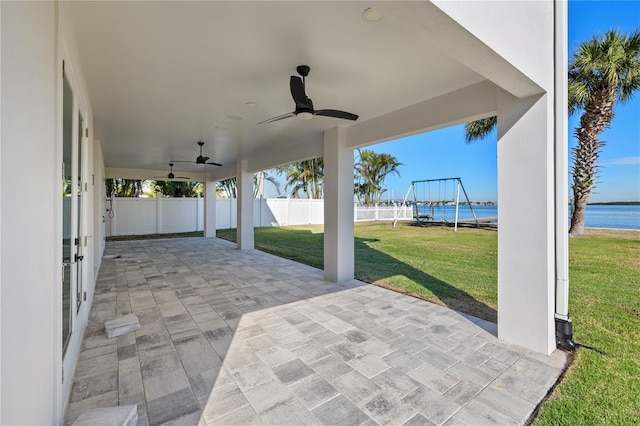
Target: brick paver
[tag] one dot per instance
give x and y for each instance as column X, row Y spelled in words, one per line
column 244, row 337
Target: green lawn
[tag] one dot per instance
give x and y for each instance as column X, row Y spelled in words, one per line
column 459, row 270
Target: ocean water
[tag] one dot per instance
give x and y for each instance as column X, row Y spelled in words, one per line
column 610, row 216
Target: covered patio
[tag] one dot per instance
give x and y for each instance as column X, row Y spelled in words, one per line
column 244, row 337
column 96, row 90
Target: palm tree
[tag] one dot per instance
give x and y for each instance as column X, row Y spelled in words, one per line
column 228, row 188
column 480, row 129
column 371, row 169
column 306, row 176
column 259, row 180
column 603, row 70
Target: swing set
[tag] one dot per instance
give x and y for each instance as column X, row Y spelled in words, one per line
column 429, row 209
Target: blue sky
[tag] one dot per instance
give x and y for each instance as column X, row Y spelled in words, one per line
column 444, row 153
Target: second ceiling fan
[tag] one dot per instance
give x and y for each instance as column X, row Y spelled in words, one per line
column 171, row 176
column 304, row 105
column 200, row 159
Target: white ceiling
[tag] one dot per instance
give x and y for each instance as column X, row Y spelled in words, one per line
column 163, row 75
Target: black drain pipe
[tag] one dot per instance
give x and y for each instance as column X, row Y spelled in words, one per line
column 564, row 334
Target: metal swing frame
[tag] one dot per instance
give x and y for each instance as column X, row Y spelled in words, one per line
column 420, row 217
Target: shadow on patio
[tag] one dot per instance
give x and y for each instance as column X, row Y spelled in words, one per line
column 234, row 337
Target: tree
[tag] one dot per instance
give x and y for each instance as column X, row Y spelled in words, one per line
column 259, row 180
column 480, row 129
column 306, row 176
column 602, row 71
column 371, row 169
column 228, row 188
column 172, row 188
column 124, row 187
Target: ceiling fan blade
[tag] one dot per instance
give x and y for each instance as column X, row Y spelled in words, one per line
column 337, row 114
column 297, row 92
column 182, row 161
column 213, row 164
column 182, row 177
column 278, row 118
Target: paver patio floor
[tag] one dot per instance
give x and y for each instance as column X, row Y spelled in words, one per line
column 244, row 337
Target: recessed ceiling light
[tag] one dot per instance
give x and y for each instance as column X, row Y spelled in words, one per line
column 218, row 127
column 234, row 117
column 250, row 104
column 371, row 15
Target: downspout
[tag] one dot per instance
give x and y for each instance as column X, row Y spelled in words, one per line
column 563, row 324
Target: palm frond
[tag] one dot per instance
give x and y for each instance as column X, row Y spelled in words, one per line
column 480, row 129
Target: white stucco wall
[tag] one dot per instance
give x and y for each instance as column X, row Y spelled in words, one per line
column 29, row 237
column 36, row 37
column 518, row 31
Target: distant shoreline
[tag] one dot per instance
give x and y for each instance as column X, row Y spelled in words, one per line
column 616, row 203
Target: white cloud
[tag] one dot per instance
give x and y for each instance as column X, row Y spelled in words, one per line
column 626, row 161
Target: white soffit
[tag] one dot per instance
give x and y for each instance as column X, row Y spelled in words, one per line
column 163, row 75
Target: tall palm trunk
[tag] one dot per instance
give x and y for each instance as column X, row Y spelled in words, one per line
column 597, row 116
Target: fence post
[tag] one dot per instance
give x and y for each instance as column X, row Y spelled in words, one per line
column 113, row 218
column 375, row 214
column 158, row 215
column 197, row 213
column 261, row 206
column 286, row 223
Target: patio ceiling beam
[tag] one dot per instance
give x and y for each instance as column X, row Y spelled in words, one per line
column 144, row 174
column 465, row 40
column 304, row 150
column 461, row 106
column 225, row 172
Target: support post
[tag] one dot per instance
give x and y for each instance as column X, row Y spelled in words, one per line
column 210, row 209
column 526, row 244
column 245, row 207
column 338, row 207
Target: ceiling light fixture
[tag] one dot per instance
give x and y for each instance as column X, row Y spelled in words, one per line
column 371, row 15
column 250, row 104
column 305, row 115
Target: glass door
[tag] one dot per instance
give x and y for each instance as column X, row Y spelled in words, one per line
column 78, row 256
column 67, row 211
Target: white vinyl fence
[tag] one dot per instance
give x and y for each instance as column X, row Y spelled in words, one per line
column 140, row 216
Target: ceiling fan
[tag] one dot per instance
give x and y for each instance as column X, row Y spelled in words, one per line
column 171, row 176
column 200, row 159
column 304, row 106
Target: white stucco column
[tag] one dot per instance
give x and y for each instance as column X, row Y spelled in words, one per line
column 245, row 207
column 210, row 209
column 338, row 207
column 526, row 233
